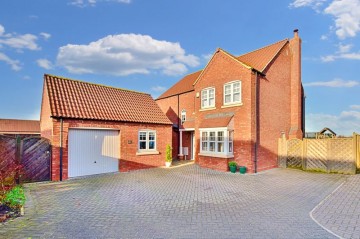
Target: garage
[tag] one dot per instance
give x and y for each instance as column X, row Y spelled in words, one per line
column 93, row 151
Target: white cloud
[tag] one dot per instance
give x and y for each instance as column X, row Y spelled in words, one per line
column 347, row 17
column 346, row 14
column 345, row 123
column 158, row 88
column 26, row 41
column 92, row 3
column 324, row 37
column 334, row 83
column 2, row 30
column 207, row 57
column 348, row 56
column 44, row 63
column 15, row 64
column 355, row 107
column 126, row 54
column 307, row 3
column 344, row 48
column 45, row 35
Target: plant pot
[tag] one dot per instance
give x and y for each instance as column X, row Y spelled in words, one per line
column 242, row 169
column 167, row 164
column 233, row 169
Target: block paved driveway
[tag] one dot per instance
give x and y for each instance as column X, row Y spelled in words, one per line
column 182, row 202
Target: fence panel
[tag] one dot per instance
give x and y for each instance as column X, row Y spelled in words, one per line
column 316, row 155
column 32, row 153
column 294, row 153
column 341, row 158
column 357, row 145
column 338, row 155
column 35, row 158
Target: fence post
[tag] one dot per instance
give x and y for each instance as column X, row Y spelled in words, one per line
column 282, row 152
column 304, row 153
column 17, row 158
column 356, row 148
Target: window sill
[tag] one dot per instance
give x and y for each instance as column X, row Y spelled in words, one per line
column 209, row 108
column 232, row 105
column 217, row 155
column 147, row 152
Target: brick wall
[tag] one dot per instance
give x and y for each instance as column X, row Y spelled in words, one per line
column 274, row 108
column 46, row 124
column 128, row 131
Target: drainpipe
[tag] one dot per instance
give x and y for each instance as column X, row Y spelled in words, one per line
column 61, row 148
column 178, row 106
column 256, row 120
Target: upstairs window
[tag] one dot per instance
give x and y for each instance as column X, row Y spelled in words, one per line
column 147, row 140
column 232, row 93
column 183, row 116
column 208, row 98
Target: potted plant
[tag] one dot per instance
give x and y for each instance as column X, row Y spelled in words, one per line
column 232, row 166
column 168, row 156
column 242, row 169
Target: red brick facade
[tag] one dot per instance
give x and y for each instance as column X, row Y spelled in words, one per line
column 128, row 133
column 270, row 105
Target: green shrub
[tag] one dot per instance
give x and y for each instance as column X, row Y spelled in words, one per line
column 168, row 153
column 232, row 164
column 15, row 198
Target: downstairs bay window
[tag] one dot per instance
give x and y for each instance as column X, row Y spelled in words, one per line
column 216, row 142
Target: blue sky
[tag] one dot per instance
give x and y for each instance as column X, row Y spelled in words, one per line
column 149, row 45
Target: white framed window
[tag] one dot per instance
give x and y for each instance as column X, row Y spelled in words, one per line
column 216, row 141
column 147, row 140
column 208, row 98
column 232, row 92
column 183, row 116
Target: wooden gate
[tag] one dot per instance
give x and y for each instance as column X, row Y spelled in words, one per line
column 32, row 153
column 35, row 158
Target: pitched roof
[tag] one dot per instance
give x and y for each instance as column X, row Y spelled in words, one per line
column 15, row 126
column 81, row 100
column 258, row 60
column 182, row 86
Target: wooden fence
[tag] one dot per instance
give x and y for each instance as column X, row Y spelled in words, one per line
column 338, row 155
column 32, row 153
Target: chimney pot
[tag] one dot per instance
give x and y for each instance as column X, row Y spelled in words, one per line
column 296, row 32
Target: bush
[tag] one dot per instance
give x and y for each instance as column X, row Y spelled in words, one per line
column 232, row 164
column 9, row 176
column 168, row 153
column 15, row 198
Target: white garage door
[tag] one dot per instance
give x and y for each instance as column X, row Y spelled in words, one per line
column 93, row 151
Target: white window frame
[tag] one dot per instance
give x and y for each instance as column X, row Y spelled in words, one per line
column 227, row 149
column 231, row 84
column 207, row 90
column 183, row 116
column 147, row 140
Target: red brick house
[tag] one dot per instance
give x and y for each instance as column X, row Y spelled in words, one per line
column 97, row 129
column 237, row 107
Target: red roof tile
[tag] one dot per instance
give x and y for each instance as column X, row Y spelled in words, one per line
column 15, row 126
column 259, row 59
column 81, row 100
column 182, row 86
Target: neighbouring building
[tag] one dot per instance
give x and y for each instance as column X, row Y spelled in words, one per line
column 237, row 107
column 98, row 129
column 21, row 128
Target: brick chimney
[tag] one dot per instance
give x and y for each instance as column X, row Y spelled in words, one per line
column 296, row 92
